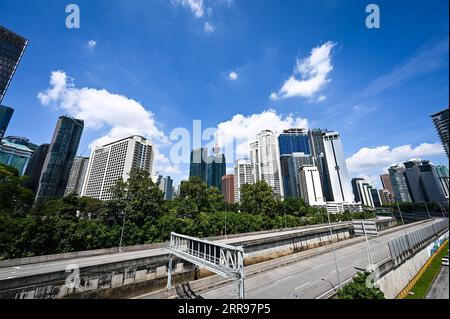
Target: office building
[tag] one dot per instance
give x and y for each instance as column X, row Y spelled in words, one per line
column 398, row 181
column 318, row 154
column 228, row 188
column 440, row 121
column 34, row 167
column 114, row 161
column 386, row 182
column 6, row 114
column 376, row 198
column 365, row 193
column 423, row 182
column 198, row 164
column 58, row 162
column 310, row 186
column 443, row 178
column 77, row 175
column 292, row 166
column 386, row 197
column 269, row 161
column 254, row 157
column 166, row 186
column 16, row 152
column 12, row 47
column 336, row 167
column 216, row 169
column 243, row 174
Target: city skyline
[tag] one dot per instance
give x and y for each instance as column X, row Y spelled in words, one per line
column 376, row 134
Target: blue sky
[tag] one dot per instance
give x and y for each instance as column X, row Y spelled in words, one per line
column 157, row 65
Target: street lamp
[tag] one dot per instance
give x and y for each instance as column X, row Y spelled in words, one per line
column 329, row 283
column 123, row 227
column 334, row 251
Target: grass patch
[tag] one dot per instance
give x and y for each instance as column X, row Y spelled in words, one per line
column 421, row 287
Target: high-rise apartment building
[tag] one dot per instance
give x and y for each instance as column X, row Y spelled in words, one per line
column 386, row 197
column 310, row 186
column 12, row 47
column 243, row 174
column 58, row 162
column 228, row 188
column 337, row 168
column 6, row 114
column 269, row 161
column 77, row 176
column 318, row 153
column 216, row 169
column 198, row 165
column 440, row 121
column 399, row 185
column 114, row 161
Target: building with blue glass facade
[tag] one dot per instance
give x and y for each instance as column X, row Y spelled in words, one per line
column 6, row 114
column 198, row 165
column 16, row 152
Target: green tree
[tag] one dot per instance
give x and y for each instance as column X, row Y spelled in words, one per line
column 15, row 199
column 258, row 198
column 359, row 289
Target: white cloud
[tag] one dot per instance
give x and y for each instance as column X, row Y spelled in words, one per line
column 313, row 71
column 377, row 159
column 233, row 76
column 240, row 130
column 208, row 28
column 101, row 109
column 92, row 44
column 196, row 6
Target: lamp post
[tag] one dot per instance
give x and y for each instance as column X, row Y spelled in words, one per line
column 334, row 251
column 121, row 235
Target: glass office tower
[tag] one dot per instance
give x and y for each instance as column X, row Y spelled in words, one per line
column 6, row 114
column 12, row 47
column 59, row 159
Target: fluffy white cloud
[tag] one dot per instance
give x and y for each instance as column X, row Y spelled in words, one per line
column 208, row 28
column 313, row 71
column 238, row 132
column 368, row 160
column 92, row 44
column 233, row 76
column 101, row 109
column 196, row 6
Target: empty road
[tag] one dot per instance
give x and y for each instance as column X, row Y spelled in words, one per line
column 440, row 287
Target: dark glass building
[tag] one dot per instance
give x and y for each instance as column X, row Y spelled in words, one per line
column 59, row 159
column 12, row 47
column 6, row 114
column 34, row 167
column 440, row 121
column 216, row 169
column 198, row 166
column 318, row 153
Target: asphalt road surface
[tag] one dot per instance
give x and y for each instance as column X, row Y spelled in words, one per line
column 440, row 287
column 314, row 277
column 60, row 265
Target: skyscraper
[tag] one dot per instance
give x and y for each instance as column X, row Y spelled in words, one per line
column 443, row 178
column 77, row 175
column 318, row 153
column 337, row 169
column 365, row 193
column 294, row 162
column 216, row 168
column 12, row 47
column 6, row 114
column 310, row 186
column 198, row 165
column 269, row 161
column 114, row 161
column 294, row 140
column 440, row 120
column 386, row 182
column 254, row 157
column 34, row 167
column 398, row 181
column 228, row 188
column 423, row 182
column 58, row 162
column 166, row 186
column 243, row 174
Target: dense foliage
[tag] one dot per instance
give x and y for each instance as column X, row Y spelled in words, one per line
column 72, row 223
column 360, row 288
